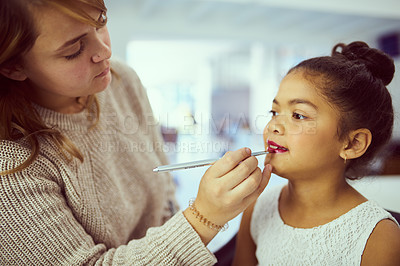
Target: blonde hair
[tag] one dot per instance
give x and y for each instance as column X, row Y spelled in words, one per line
column 18, row 118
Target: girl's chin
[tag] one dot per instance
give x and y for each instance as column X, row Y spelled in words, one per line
column 277, row 171
column 272, row 158
column 278, row 167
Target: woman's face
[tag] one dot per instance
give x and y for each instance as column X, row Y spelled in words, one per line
column 302, row 134
column 69, row 59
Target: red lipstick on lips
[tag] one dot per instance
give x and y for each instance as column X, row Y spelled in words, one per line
column 275, row 148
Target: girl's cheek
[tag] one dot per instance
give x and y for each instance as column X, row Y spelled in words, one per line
column 296, row 129
column 265, row 136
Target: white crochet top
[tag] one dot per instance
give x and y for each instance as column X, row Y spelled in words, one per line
column 339, row 242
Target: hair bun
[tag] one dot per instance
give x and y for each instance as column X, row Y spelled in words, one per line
column 380, row 64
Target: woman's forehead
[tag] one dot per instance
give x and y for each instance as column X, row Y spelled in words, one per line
column 55, row 28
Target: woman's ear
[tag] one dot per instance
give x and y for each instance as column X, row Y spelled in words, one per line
column 358, row 143
column 13, row 72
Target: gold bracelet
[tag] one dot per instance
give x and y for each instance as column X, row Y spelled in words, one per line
column 204, row 220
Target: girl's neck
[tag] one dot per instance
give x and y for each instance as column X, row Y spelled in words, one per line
column 311, row 203
column 311, row 195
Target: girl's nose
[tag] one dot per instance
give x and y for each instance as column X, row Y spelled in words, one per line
column 275, row 127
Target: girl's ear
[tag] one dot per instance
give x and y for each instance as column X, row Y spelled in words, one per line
column 358, row 143
column 14, row 72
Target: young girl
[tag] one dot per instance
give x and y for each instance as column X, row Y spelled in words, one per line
column 77, row 147
column 330, row 117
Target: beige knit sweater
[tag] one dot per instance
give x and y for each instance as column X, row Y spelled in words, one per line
column 97, row 212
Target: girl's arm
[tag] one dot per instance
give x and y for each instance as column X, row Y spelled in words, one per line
column 383, row 246
column 245, row 253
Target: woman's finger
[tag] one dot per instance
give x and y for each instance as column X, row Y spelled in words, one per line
column 240, row 173
column 266, row 176
column 229, row 161
column 249, row 185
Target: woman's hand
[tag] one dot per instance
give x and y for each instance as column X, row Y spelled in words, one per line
column 227, row 189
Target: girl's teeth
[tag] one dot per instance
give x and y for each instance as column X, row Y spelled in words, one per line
column 276, row 147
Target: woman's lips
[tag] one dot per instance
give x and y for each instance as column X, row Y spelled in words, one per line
column 102, row 74
column 275, row 148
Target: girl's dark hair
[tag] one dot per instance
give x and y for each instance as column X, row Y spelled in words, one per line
column 354, row 79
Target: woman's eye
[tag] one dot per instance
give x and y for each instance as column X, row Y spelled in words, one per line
column 298, row 116
column 78, row 53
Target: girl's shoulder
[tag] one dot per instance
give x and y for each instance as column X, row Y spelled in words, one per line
column 368, row 211
column 383, row 245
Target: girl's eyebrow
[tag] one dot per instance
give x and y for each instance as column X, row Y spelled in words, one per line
column 68, row 43
column 298, row 101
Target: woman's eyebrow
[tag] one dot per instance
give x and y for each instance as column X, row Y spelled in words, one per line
column 68, row 43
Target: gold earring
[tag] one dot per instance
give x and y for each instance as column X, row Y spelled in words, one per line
column 345, row 158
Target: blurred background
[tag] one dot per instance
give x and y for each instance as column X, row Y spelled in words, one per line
column 212, row 67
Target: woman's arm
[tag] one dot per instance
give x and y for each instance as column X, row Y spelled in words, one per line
column 245, row 247
column 383, row 246
column 40, row 224
column 37, row 227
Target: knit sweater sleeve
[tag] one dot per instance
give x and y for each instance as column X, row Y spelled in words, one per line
column 174, row 243
column 38, row 226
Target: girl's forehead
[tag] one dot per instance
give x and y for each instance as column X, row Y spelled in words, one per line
column 297, row 87
column 296, row 84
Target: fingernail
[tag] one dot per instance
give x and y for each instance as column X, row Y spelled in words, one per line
column 269, row 167
column 248, row 151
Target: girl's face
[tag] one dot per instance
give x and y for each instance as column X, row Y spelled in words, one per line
column 69, row 59
column 302, row 134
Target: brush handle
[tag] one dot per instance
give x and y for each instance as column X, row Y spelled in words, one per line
column 188, row 165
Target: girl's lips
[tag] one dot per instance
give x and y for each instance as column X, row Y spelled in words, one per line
column 275, row 148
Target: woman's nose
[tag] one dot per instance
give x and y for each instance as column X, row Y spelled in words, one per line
column 102, row 52
column 101, row 55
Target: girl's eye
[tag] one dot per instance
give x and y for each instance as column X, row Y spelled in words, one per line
column 75, row 55
column 298, row 116
column 273, row 113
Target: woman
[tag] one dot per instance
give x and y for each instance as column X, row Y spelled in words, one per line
column 76, row 180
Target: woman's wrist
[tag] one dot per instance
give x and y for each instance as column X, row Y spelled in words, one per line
column 205, row 220
column 206, row 229
column 206, row 234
